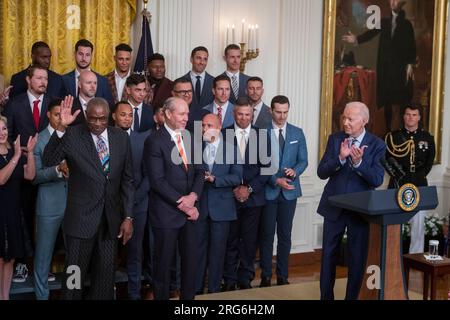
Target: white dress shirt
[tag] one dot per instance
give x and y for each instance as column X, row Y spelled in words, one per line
column 32, row 98
column 120, row 83
column 256, row 110
column 139, row 112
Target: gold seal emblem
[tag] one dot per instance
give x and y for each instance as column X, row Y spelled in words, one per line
column 408, row 197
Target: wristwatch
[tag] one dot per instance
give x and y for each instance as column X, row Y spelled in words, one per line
column 129, row 218
column 250, row 189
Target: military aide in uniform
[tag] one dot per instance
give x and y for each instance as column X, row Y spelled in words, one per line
column 414, row 150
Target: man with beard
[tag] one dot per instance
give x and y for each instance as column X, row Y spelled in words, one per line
column 161, row 86
column 87, row 88
column 83, row 57
column 27, row 115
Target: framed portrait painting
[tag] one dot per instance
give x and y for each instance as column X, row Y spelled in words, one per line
column 388, row 54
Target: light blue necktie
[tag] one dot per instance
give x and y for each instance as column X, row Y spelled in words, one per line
column 212, row 156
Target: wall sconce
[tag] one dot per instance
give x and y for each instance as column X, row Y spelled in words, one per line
column 249, row 42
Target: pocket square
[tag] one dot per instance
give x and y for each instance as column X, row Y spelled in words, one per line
column 292, row 142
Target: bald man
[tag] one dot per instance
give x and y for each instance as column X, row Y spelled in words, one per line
column 87, row 88
column 217, row 205
column 351, row 163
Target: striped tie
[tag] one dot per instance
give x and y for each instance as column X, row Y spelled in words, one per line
column 235, row 86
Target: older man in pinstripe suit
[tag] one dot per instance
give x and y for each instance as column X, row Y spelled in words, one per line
column 100, row 196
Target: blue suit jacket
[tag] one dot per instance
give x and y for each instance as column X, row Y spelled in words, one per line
column 141, row 182
column 169, row 181
column 345, row 178
column 295, row 156
column 52, row 190
column 217, row 200
column 55, row 87
column 103, row 90
column 20, row 118
column 243, row 78
column 254, row 165
column 228, row 120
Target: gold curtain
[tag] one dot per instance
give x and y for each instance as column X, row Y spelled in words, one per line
column 105, row 23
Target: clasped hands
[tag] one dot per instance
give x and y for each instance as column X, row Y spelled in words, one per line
column 241, row 193
column 187, row 205
column 354, row 152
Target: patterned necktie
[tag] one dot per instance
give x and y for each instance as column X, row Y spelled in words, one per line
column 235, row 86
column 136, row 120
column 242, row 144
column 212, row 156
column 198, row 88
column 103, row 154
column 219, row 113
column 36, row 115
column 181, row 151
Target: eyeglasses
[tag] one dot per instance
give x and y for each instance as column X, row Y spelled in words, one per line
column 183, row 92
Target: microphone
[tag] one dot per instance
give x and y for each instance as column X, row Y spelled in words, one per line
column 388, row 169
column 397, row 167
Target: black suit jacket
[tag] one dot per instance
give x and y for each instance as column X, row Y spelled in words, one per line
column 81, row 118
column 169, row 181
column 55, row 87
column 395, row 52
column 91, row 192
column 20, row 118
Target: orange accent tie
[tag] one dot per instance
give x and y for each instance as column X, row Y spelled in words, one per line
column 181, row 151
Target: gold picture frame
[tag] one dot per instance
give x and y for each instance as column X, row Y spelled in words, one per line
column 436, row 95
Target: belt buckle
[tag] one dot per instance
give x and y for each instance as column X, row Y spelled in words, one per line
column 412, row 168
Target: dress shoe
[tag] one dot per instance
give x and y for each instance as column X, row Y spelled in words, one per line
column 228, row 287
column 265, row 282
column 282, row 281
column 243, row 286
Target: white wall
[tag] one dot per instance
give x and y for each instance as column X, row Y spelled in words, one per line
column 289, row 63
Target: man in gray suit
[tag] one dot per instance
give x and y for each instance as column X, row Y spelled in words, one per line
column 100, row 198
column 238, row 79
column 50, row 205
column 221, row 106
column 123, row 119
column 262, row 117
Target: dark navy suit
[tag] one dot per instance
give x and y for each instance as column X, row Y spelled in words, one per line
column 146, row 122
column 55, row 87
column 170, row 181
column 103, row 89
column 217, row 210
column 195, row 109
column 20, row 118
column 243, row 237
column 345, row 178
column 140, row 211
